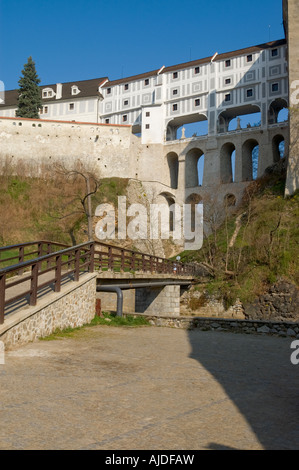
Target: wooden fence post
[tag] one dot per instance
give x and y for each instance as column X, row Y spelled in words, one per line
column 34, row 280
column 2, row 298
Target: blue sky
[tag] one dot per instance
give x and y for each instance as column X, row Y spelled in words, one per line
column 72, row 40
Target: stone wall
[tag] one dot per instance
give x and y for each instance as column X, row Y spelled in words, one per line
column 200, row 303
column 291, row 21
column 74, row 306
column 284, row 329
column 107, row 149
column 280, row 303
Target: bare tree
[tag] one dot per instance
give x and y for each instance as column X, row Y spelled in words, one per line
column 80, row 185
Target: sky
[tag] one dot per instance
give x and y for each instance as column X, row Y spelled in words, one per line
column 72, row 40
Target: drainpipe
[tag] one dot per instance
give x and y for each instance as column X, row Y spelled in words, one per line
column 118, row 292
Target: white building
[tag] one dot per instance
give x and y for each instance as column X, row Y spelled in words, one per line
column 72, row 101
column 156, row 104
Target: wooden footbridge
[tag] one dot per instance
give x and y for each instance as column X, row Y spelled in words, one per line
column 30, row 271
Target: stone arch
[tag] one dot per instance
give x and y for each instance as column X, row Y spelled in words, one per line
column 230, row 200
column 192, row 124
column 250, row 159
column 173, row 165
column 169, row 199
column 226, row 166
column 277, row 147
column 193, row 199
column 275, row 108
column 239, row 117
column 191, row 168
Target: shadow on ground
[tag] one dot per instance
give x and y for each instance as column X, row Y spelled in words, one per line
column 259, row 378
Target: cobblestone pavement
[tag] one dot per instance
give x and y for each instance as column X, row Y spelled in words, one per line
column 150, row 388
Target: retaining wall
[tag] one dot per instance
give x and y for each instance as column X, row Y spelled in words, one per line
column 72, row 307
column 290, row 329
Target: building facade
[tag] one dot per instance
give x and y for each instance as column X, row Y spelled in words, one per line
column 156, row 104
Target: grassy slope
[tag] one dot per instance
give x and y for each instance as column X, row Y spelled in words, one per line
column 266, row 247
column 29, row 207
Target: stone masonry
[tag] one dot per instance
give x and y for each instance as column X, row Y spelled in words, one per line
column 74, row 306
column 158, row 300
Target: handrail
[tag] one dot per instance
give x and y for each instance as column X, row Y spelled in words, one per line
column 19, row 245
column 84, row 251
column 133, row 260
column 86, row 255
column 40, row 259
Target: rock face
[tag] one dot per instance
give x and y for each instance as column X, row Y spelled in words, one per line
column 280, row 303
column 201, row 303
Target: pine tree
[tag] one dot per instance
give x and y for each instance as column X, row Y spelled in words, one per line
column 29, row 101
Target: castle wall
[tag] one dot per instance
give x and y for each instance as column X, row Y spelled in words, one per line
column 106, row 148
column 169, row 169
column 291, row 21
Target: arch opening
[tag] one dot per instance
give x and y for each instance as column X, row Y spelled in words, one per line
column 230, row 200
column 194, row 200
column 238, row 118
column 186, row 127
column 173, row 166
column 168, row 199
column 278, row 147
column 278, row 111
column 227, row 163
column 194, row 172
column 250, row 160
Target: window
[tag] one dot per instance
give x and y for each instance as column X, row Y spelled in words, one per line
column 274, row 52
column 47, row 92
column 227, row 81
column 174, row 107
column 71, row 106
column 174, row 92
column 196, row 70
column 197, row 102
column 147, row 126
column 125, row 118
column 175, row 75
column 108, row 91
column 147, row 114
column 249, row 58
column 107, row 121
column 249, row 93
column 126, row 87
column 228, row 97
column 227, row 63
column 275, row 87
column 126, row 102
column 45, row 109
column 146, row 82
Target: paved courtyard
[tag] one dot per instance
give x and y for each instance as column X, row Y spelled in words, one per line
column 150, row 388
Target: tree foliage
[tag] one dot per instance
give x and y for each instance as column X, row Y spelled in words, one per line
column 29, row 100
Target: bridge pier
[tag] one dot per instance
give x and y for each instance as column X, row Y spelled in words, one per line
column 158, row 300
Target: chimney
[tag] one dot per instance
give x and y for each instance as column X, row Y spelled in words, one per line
column 58, row 91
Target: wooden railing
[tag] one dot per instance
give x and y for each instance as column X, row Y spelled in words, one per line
column 112, row 258
column 67, row 262
column 35, row 259
column 15, row 254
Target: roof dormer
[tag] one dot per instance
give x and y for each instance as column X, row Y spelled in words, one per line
column 75, row 90
column 48, row 93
